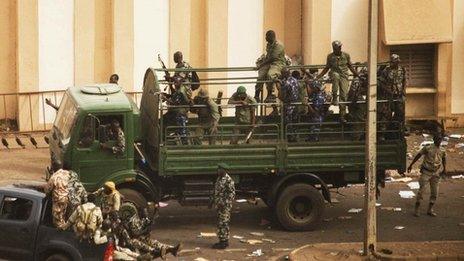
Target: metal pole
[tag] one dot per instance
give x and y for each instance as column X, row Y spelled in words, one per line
column 370, row 237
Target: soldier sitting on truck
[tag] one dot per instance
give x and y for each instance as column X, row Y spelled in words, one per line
column 208, row 117
column 115, row 133
column 244, row 113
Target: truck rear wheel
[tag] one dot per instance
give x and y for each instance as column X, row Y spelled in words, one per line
column 300, row 207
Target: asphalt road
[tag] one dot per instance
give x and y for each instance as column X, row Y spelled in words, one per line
column 186, row 223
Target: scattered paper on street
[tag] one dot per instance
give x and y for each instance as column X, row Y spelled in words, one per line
column 378, row 204
column 355, row 210
column 241, row 200
column 407, row 194
column 399, row 227
column 251, row 241
column 345, row 217
column 397, row 209
column 256, row 253
column 457, row 177
column 237, row 237
column 162, row 204
column 459, row 145
column 207, row 234
column 413, row 185
column 269, row 240
column 258, row 234
column 456, row 136
column 200, row 259
column 405, row 179
column 391, row 209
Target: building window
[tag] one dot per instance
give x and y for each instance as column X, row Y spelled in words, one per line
column 419, row 63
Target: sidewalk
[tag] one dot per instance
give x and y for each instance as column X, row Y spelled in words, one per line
column 437, row 250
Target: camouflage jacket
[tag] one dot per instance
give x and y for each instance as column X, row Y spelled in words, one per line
column 120, row 145
column 76, row 192
column 224, row 192
column 392, row 80
column 58, row 185
column 290, row 90
column 137, row 226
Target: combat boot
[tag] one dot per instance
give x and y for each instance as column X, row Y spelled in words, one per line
column 416, row 209
column 430, row 212
column 174, row 250
column 159, row 253
column 221, row 245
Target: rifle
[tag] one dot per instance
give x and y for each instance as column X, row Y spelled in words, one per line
column 218, row 101
column 167, row 76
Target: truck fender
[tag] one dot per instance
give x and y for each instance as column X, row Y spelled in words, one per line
column 309, row 178
column 135, row 177
column 56, row 245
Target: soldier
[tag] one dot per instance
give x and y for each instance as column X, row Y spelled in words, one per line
column 393, row 78
column 57, row 185
column 338, row 63
column 86, row 219
column 434, row 161
column 208, row 117
column 270, row 65
column 181, row 97
column 318, row 109
column 190, row 76
column 357, row 110
column 244, row 112
column 289, row 93
column 77, row 194
column 114, row 78
column 224, row 194
column 111, row 198
column 115, row 133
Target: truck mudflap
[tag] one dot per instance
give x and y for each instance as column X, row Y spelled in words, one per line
column 309, row 178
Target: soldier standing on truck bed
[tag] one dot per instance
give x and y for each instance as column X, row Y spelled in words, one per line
column 289, row 93
column 269, row 66
column 111, row 198
column 190, row 76
column 338, row 63
column 244, row 112
column 57, row 185
column 434, row 161
column 208, row 117
column 181, row 97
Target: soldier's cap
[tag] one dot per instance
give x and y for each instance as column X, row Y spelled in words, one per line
column 336, row 43
column 203, row 93
column 241, row 89
column 223, row 165
column 395, row 57
column 110, row 185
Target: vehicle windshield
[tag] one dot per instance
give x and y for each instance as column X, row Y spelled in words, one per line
column 65, row 118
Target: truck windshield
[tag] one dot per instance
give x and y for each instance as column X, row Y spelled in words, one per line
column 65, row 118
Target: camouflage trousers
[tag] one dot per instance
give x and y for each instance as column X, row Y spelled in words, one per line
column 223, row 223
column 147, row 245
column 59, row 212
column 267, row 72
column 428, row 179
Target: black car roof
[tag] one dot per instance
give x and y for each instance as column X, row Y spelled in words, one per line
column 22, row 191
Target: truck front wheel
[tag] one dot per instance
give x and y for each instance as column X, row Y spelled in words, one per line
column 300, row 207
column 132, row 200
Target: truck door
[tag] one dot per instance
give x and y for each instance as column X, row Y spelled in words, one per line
column 18, row 227
column 93, row 157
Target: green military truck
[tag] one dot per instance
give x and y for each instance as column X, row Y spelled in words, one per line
column 292, row 178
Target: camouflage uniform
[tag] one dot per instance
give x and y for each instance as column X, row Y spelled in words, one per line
column 270, row 66
column 224, row 194
column 318, row 98
column 120, row 139
column 242, row 115
column 109, row 202
column 339, row 75
column 358, row 111
column 77, row 194
column 185, row 75
column 303, row 98
column 392, row 80
column 90, row 216
column 58, row 186
column 290, row 91
column 430, row 168
column 208, row 117
column 182, row 97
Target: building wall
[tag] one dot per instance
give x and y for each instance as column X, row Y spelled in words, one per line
column 52, row 44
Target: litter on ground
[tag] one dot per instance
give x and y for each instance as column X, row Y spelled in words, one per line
column 459, row 145
column 207, row 234
column 413, row 185
column 404, row 180
column 200, row 259
column 355, row 210
column 456, row 136
column 237, row 237
column 256, row 253
column 269, row 240
column 391, row 209
column 344, row 217
column 457, row 177
column 378, row 204
column 406, row 194
column 258, row 234
column 399, row 227
column 251, row 241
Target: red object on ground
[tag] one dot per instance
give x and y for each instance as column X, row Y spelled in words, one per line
column 109, row 251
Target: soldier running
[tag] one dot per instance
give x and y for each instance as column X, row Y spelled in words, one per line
column 244, row 112
column 208, row 117
column 223, row 198
column 434, row 161
column 338, row 63
column 270, row 66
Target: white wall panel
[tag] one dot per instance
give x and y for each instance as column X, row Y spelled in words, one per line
column 349, row 25
column 56, row 48
column 151, row 36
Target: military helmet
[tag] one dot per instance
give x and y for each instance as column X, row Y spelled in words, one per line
column 110, row 185
column 336, row 43
column 395, row 58
column 203, row 93
column 241, row 89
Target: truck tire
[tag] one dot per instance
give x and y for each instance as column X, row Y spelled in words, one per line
column 134, row 197
column 57, row 257
column 300, row 207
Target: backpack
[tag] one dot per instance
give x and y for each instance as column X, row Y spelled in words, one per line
column 86, row 223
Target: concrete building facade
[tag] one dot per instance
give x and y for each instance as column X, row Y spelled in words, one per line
column 54, row 44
